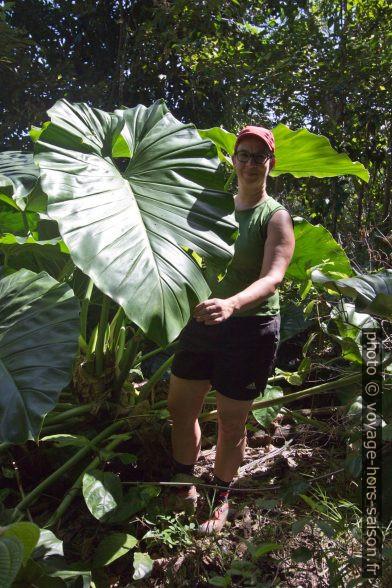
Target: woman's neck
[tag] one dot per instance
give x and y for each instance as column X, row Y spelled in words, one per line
column 249, row 198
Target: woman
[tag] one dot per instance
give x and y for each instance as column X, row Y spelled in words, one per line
column 231, row 342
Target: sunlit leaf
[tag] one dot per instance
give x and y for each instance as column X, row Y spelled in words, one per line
column 299, row 153
column 345, row 326
column 304, row 154
column 102, row 492
column 265, row 416
column 65, row 440
column 328, row 256
column 142, row 564
column 372, row 292
column 112, row 547
column 18, row 222
column 127, row 230
column 223, row 140
column 48, row 546
column 18, row 175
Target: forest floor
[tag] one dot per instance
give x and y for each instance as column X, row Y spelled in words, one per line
column 274, row 536
column 295, row 517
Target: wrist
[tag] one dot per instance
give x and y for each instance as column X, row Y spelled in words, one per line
column 235, row 303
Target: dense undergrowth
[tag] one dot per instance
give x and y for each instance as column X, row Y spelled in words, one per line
column 85, row 355
column 295, row 511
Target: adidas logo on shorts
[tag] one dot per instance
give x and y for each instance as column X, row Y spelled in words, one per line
column 251, row 386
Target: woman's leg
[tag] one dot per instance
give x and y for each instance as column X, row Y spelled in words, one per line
column 185, row 402
column 230, row 449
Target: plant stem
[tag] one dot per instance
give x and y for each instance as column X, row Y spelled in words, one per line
column 37, row 491
column 62, row 406
column 68, row 498
column 60, row 418
column 99, row 349
column 115, row 326
column 25, row 223
column 120, row 344
column 84, row 309
column 156, row 351
column 127, row 360
column 66, row 271
column 229, row 181
column 130, row 350
column 288, row 398
column 59, row 428
column 145, row 391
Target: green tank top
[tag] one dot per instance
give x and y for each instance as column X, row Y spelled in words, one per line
column 245, row 267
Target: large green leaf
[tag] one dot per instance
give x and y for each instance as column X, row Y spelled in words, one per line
column 345, row 326
column 112, row 547
column 11, row 558
column 328, row 256
column 299, row 153
column 304, row 154
column 39, row 327
column 102, row 492
column 293, row 320
column 25, row 252
column 128, row 230
column 17, row 222
column 265, row 416
column 142, row 564
column 48, row 546
column 27, row 533
column 224, row 141
column 372, row 292
column 135, row 500
column 18, row 175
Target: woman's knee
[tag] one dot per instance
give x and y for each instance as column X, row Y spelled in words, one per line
column 232, row 430
column 186, row 397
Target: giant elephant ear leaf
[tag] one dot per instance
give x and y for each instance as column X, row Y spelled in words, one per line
column 18, row 176
column 328, row 256
column 299, row 153
column 128, row 230
column 39, row 327
column 304, row 154
column 372, row 292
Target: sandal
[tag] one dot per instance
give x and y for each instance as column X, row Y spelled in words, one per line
column 218, row 520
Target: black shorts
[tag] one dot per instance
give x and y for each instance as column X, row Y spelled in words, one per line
column 236, row 356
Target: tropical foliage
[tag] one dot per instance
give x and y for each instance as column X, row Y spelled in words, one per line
column 139, row 205
column 110, row 226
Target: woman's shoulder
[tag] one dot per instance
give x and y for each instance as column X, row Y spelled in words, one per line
column 267, row 211
column 273, row 204
column 268, row 207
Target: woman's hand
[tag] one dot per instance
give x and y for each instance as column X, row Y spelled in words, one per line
column 214, row 311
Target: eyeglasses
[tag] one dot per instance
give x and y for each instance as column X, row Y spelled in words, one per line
column 245, row 156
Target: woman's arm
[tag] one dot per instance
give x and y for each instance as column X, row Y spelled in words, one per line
column 278, row 251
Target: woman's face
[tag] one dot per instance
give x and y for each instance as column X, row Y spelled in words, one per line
column 252, row 173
